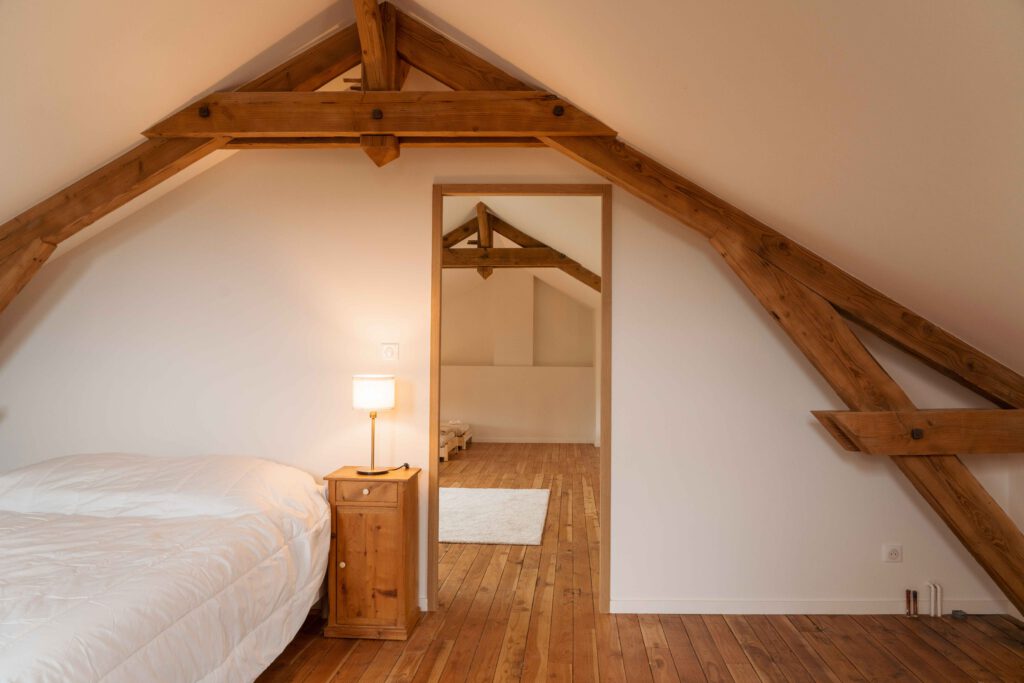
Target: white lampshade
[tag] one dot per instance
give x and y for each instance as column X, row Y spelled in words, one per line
column 373, row 392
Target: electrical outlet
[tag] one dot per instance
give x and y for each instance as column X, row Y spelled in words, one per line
column 892, row 552
column 389, row 351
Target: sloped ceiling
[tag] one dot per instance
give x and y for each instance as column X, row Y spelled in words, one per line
column 888, row 137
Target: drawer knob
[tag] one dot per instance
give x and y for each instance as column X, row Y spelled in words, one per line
column 366, row 492
column 341, row 565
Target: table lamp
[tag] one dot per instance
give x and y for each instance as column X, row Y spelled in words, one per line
column 373, row 393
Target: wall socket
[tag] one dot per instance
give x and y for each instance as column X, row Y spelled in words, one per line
column 389, row 351
column 892, row 552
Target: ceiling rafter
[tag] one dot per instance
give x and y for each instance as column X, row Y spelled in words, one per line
column 803, row 292
column 148, row 164
column 20, row 268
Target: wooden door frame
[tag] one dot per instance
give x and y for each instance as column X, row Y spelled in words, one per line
column 604, row 511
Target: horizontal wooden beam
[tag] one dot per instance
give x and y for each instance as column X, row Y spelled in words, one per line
column 519, row 257
column 516, row 257
column 927, row 432
column 527, row 113
column 353, row 142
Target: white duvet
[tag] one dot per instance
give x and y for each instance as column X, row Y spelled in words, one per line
column 129, row 568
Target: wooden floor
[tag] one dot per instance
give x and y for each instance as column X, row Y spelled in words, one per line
column 511, row 613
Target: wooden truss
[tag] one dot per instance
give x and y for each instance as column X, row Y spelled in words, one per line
column 530, row 252
column 806, row 294
column 925, row 432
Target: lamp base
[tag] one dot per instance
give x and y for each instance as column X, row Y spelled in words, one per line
column 373, row 471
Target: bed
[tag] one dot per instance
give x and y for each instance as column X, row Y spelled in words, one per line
column 455, row 436
column 132, row 568
column 446, row 444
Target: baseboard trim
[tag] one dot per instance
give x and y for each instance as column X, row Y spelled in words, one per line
column 631, row 606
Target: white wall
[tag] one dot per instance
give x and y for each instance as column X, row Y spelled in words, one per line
column 517, row 357
column 228, row 316
column 564, row 328
column 714, row 449
column 521, row 404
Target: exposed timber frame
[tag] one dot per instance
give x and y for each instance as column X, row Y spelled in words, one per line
column 805, row 293
column 376, row 25
column 497, row 113
column 532, row 253
column 926, row 432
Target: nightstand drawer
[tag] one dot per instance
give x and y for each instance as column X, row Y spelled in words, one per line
column 380, row 492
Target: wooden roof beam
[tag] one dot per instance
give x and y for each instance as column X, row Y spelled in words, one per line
column 16, row 271
column 376, row 26
column 353, row 142
column 514, row 257
column 519, row 257
column 834, row 350
column 530, row 114
column 713, row 217
column 927, row 432
column 485, row 238
column 496, row 224
column 453, row 237
column 63, row 214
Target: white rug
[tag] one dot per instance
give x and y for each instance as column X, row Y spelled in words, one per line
column 501, row 516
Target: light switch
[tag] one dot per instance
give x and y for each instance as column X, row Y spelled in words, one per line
column 389, row 351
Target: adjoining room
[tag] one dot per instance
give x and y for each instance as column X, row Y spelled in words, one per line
column 521, row 369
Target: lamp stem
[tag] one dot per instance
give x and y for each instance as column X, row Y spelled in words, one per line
column 373, row 437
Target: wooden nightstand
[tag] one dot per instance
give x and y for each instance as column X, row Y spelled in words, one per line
column 372, row 576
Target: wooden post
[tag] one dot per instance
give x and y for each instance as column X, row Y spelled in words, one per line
column 485, row 238
column 381, row 70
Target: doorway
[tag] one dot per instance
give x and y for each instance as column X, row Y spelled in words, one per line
column 541, row 246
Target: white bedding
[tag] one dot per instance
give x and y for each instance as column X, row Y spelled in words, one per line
column 127, row 568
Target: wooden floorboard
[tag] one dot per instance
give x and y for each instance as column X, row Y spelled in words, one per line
column 529, row 613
